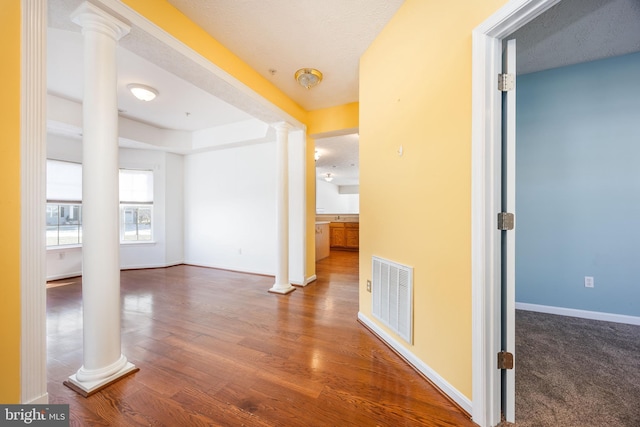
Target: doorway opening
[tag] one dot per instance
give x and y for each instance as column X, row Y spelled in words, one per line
column 337, row 194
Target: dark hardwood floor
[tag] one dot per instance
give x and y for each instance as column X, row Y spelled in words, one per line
column 214, row 348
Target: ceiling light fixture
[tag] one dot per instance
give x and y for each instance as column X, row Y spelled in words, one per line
column 142, row 92
column 328, row 177
column 308, row 77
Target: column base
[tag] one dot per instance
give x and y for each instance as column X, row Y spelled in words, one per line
column 87, row 388
column 282, row 290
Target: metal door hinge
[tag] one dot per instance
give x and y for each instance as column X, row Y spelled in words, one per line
column 506, row 82
column 505, row 360
column 505, row 221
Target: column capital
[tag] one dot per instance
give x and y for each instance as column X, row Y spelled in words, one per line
column 92, row 18
column 282, row 126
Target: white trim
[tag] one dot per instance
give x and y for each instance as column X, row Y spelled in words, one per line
column 418, row 364
column 306, row 281
column 485, row 195
column 33, row 349
column 64, row 276
column 125, row 243
column 149, row 266
column 42, row 400
column 583, row 314
column 230, row 268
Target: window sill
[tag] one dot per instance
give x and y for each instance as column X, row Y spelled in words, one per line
column 63, row 247
column 134, row 243
column 139, row 243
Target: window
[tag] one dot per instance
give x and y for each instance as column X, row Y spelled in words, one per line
column 136, row 205
column 64, row 205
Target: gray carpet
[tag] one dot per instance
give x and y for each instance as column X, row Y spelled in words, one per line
column 576, row 372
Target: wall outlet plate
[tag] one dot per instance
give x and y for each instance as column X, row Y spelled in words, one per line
column 588, row 282
column 368, row 285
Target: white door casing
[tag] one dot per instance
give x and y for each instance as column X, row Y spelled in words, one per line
column 508, row 237
column 486, row 174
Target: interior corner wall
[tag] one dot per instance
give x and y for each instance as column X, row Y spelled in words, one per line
column 415, row 208
column 167, row 249
column 174, row 209
column 578, row 186
column 310, row 191
column 230, row 208
column 167, row 187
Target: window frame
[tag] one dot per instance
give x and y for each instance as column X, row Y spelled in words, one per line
column 125, row 205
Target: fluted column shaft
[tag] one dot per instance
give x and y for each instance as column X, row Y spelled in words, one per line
column 103, row 360
column 282, row 285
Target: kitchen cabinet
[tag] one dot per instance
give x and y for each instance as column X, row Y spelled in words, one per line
column 322, row 240
column 345, row 235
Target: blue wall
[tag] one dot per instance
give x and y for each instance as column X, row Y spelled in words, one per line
column 578, row 186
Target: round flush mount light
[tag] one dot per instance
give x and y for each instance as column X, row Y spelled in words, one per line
column 142, row 92
column 308, row 77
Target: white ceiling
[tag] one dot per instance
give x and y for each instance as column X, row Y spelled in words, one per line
column 176, row 97
column 285, row 35
column 576, row 31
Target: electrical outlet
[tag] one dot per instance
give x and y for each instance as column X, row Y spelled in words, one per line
column 368, row 285
column 588, row 282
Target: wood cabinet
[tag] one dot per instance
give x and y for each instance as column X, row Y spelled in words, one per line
column 345, row 235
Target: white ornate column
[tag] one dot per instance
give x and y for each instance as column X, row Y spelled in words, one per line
column 282, row 285
column 103, row 361
column 33, row 352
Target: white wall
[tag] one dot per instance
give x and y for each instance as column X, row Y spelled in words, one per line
column 230, row 209
column 174, row 209
column 167, row 248
column 330, row 201
column 215, row 209
column 147, row 255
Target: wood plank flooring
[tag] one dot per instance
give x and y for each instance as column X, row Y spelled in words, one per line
column 214, row 348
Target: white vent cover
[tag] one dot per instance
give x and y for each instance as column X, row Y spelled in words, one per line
column 392, row 292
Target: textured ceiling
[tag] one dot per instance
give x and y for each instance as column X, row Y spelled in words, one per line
column 339, row 157
column 575, row 31
column 286, row 35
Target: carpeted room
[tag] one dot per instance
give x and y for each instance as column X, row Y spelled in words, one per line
column 577, row 205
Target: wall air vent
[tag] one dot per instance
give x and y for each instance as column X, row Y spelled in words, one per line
column 392, row 294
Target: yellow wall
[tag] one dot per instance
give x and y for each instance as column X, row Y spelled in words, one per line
column 10, row 202
column 338, row 119
column 415, row 91
column 310, row 269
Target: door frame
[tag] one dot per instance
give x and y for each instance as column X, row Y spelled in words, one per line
column 486, row 172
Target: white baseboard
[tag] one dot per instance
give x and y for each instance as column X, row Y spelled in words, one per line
column 229, row 268
column 306, row 281
column 70, row 274
column 145, row 266
column 66, row 275
column 463, row 401
column 42, row 400
column 584, row 314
